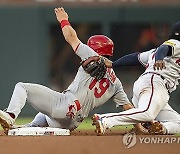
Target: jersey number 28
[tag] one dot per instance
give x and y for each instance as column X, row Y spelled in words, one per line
column 101, row 88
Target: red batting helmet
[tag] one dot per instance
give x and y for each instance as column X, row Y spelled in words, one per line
column 101, row 44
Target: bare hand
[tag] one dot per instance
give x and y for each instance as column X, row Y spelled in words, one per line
column 107, row 62
column 159, row 65
column 140, row 129
column 61, row 14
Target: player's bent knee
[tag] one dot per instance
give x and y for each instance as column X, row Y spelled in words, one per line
column 19, row 84
column 68, row 111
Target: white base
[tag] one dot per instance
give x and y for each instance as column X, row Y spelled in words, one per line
column 38, row 131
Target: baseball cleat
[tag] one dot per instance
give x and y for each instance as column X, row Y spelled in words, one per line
column 6, row 121
column 157, row 128
column 98, row 122
column 17, row 126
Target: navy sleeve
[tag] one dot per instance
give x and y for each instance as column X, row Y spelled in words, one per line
column 163, row 51
column 128, row 60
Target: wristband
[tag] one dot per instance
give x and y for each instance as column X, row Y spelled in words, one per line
column 64, row 23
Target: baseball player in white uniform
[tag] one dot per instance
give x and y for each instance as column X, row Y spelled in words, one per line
column 85, row 93
column 151, row 90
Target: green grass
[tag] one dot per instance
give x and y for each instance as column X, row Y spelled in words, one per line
column 85, row 125
column 177, row 134
column 21, row 121
column 25, row 120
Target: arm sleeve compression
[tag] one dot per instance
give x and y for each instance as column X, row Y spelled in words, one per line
column 128, row 60
column 163, row 51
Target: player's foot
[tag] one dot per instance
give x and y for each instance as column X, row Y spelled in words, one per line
column 157, row 128
column 6, row 121
column 98, row 122
column 25, row 125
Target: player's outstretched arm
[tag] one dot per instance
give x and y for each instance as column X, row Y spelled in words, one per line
column 68, row 32
column 127, row 60
column 161, row 53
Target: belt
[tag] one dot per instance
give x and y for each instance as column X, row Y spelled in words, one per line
column 162, row 77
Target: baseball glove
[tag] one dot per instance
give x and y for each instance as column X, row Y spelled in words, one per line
column 95, row 66
column 156, row 128
column 153, row 128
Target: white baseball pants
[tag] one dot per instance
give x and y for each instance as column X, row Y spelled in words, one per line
column 150, row 98
column 57, row 106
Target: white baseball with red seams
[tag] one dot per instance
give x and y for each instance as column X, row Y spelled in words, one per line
column 69, row 108
column 151, row 93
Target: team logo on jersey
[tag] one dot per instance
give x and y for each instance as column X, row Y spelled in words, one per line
column 178, row 62
column 111, row 74
column 71, row 111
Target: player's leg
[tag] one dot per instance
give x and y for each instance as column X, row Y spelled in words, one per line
column 52, row 122
column 38, row 121
column 40, row 97
column 170, row 119
column 151, row 99
column 53, row 104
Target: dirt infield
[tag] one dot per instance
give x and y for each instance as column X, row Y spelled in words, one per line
column 86, row 142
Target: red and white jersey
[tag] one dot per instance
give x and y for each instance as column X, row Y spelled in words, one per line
column 172, row 71
column 92, row 93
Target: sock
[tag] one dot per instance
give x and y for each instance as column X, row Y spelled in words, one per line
column 11, row 114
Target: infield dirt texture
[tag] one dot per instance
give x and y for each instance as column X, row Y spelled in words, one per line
column 85, row 142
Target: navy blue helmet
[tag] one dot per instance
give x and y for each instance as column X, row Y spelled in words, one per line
column 175, row 34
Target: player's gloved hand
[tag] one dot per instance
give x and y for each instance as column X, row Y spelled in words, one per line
column 95, row 66
column 154, row 128
column 108, row 62
column 159, row 65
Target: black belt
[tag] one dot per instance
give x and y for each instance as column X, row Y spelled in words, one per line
column 162, row 77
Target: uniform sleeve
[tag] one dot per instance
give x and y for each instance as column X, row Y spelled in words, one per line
column 120, row 98
column 84, row 51
column 144, row 57
column 175, row 46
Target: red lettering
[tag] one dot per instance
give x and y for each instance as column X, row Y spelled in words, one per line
column 111, row 74
column 93, row 83
column 178, row 62
column 101, row 88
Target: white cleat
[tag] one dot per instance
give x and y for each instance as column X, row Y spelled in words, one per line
column 17, row 126
column 6, row 121
column 100, row 126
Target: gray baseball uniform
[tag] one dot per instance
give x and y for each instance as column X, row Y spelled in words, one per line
column 151, row 92
column 69, row 108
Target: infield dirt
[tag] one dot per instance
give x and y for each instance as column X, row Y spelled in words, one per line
column 82, row 142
